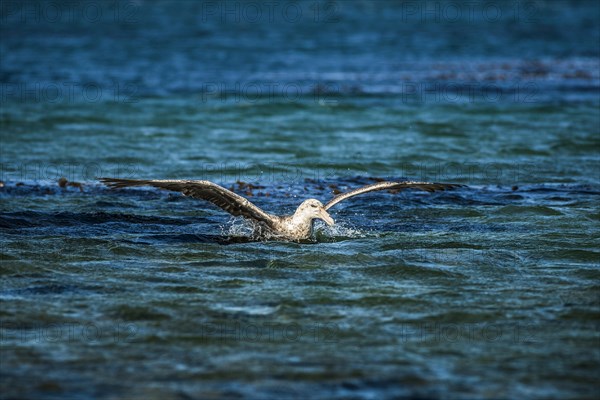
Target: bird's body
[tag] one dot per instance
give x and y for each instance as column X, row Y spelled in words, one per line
column 297, row 226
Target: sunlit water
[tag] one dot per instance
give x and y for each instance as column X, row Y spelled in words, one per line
column 485, row 291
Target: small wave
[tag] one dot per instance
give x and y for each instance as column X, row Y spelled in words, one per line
column 250, row 310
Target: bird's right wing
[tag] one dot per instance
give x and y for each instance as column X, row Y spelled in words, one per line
column 427, row 186
column 229, row 201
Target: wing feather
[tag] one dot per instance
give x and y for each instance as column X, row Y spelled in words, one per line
column 427, row 186
column 227, row 200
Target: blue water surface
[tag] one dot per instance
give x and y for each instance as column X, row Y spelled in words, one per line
column 487, row 291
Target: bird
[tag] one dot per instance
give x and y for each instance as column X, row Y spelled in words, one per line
column 293, row 227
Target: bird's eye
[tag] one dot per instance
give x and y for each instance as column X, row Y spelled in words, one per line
column 313, row 205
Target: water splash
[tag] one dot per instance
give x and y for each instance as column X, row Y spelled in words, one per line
column 242, row 228
column 338, row 231
column 237, row 227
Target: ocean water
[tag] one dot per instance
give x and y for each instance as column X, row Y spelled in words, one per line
column 487, row 291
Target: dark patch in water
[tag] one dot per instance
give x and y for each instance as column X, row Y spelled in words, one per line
column 137, row 313
column 6, row 222
column 198, row 238
column 27, row 219
column 45, row 289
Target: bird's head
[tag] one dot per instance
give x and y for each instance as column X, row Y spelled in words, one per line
column 314, row 209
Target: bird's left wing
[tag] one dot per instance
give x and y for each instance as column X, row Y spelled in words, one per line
column 427, row 186
column 205, row 190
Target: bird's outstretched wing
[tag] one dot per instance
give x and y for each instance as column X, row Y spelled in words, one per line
column 427, row 186
column 226, row 199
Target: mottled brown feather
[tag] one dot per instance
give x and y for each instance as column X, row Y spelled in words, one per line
column 396, row 186
column 227, row 200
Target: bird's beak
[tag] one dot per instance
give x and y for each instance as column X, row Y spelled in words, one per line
column 326, row 217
